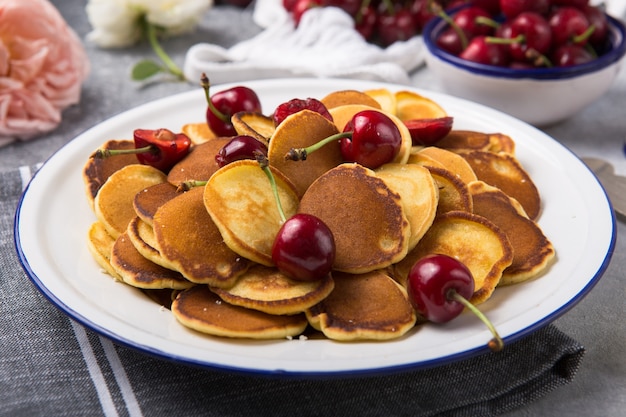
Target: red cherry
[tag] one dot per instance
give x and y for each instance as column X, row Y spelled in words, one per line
column 450, row 41
column 365, row 22
column 239, row 147
column 301, row 7
column 512, row 8
column 224, row 104
column 490, row 6
column 440, row 286
column 469, row 21
column 571, row 54
column 535, row 34
column 427, row 132
column 394, row 26
column 431, row 280
column 304, row 248
column 567, row 25
column 422, row 13
column 373, row 140
column 579, row 4
column 482, row 51
column 597, row 18
column 295, row 105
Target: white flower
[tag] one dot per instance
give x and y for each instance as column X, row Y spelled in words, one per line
column 117, row 23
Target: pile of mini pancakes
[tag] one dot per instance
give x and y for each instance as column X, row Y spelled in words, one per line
column 205, row 253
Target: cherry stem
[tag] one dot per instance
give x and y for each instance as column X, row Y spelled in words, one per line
column 505, row 41
column 163, row 56
column 585, row 35
column 105, row 153
column 206, row 85
column 189, row 184
column 483, row 20
column 436, row 9
column 264, row 164
column 496, row 344
column 300, row 154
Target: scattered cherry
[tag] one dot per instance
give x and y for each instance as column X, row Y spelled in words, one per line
column 440, row 286
column 301, row 6
column 370, row 138
column 482, row 51
column 224, row 104
column 239, row 147
column 513, row 8
column 304, row 247
column 569, row 25
column 571, row 54
column 427, row 132
column 295, row 105
column 160, row 148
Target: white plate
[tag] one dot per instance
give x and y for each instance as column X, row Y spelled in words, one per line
column 53, row 218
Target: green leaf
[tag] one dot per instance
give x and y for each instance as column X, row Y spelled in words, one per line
column 145, row 69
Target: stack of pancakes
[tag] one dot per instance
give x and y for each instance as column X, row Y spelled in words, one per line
column 206, row 252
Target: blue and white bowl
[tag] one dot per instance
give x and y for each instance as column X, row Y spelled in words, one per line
column 539, row 96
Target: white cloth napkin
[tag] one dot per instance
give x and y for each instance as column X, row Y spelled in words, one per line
column 324, row 44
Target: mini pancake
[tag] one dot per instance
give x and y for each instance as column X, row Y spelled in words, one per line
column 257, row 125
column 478, row 243
column 469, row 140
column 505, row 172
column 385, row 98
column 532, row 251
column 418, row 192
column 198, row 132
column 448, row 160
column 366, row 217
column 410, row 106
column 342, row 115
column 97, row 170
column 100, row 243
column 369, row 306
column 453, row 193
column 343, row 97
column 199, row 164
column 139, row 272
column 240, row 200
column 113, row 205
column 148, row 200
column 141, row 235
column 188, row 239
column 266, row 289
column 300, row 130
column 200, row 309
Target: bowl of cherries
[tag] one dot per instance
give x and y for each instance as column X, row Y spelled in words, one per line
column 541, row 61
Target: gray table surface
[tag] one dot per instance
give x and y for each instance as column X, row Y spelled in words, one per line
column 599, row 389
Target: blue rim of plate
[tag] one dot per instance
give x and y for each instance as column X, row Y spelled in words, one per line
column 617, row 40
column 384, row 370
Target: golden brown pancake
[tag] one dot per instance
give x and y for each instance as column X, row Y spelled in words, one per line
column 148, row 200
column 453, row 193
column 301, row 130
column 257, row 125
column 266, row 289
column 469, row 140
column 505, row 172
column 188, row 239
column 366, row 217
column 418, row 192
column 141, row 235
column 199, row 164
column 139, row 272
column 342, row 115
column 411, row 106
column 97, row 170
column 343, row 97
column 200, row 309
column 363, row 306
column 100, row 243
column 478, row 243
column 198, row 132
column 450, row 161
column 113, row 205
column 532, row 251
column 385, row 98
column 240, row 200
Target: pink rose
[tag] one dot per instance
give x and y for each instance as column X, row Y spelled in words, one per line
column 42, row 67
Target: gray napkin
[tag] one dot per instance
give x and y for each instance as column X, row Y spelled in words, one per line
column 52, row 366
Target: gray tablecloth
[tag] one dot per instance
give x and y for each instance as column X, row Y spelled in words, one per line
column 50, row 365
